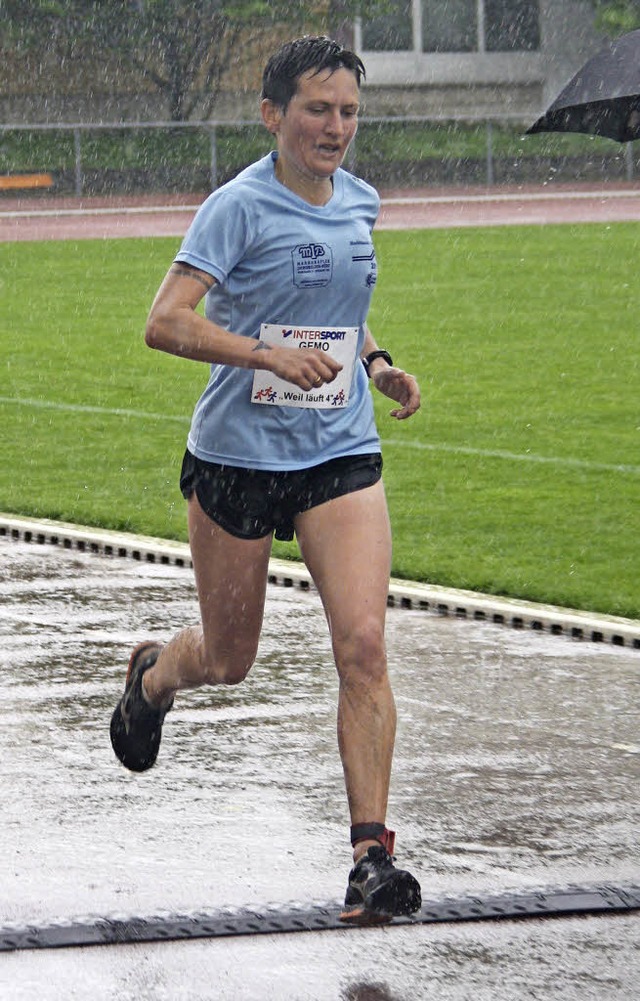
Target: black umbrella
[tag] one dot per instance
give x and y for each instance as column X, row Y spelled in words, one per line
column 603, row 98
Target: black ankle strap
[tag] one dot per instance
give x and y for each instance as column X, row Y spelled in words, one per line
column 373, row 832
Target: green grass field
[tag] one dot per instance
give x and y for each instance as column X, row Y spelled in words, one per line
column 378, row 141
column 520, row 476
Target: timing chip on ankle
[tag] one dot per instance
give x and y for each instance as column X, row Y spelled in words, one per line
column 374, row 832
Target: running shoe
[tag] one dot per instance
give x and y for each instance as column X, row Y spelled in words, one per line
column 136, row 727
column 378, row 891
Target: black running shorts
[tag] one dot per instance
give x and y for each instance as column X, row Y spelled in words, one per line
column 252, row 503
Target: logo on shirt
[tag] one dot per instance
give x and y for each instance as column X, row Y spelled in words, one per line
column 312, row 265
column 369, row 257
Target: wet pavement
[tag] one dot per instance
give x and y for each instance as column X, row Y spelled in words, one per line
column 517, row 767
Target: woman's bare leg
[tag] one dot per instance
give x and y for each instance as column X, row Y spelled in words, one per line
column 231, row 579
column 346, row 543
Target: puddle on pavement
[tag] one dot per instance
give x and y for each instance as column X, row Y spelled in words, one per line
column 517, row 766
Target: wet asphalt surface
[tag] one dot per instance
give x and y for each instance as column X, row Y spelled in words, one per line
column 516, row 768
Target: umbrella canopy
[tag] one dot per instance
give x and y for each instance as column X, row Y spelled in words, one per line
column 603, row 98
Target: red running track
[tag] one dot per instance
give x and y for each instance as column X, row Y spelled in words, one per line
column 45, row 218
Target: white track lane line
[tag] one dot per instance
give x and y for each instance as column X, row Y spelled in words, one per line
column 567, row 462
column 498, row 197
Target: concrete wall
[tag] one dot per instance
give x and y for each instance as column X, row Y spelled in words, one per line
column 113, row 106
column 568, row 39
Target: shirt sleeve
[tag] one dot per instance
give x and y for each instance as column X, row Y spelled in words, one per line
column 219, row 236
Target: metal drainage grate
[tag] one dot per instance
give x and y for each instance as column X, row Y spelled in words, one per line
column 573, row 900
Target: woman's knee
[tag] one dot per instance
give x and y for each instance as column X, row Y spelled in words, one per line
column 361, row 653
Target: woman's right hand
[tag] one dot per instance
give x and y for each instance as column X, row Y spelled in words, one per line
column 306, row 368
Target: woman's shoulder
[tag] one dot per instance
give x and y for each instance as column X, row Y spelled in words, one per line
column 249, row 182
column 357, row 194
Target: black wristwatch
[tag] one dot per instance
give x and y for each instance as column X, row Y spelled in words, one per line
column 376, row 354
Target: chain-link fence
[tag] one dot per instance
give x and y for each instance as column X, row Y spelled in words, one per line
column 165, row 157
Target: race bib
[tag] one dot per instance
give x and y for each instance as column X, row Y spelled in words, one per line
column 339, row 342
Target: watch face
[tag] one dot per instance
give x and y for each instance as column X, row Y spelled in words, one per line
column 379, row 354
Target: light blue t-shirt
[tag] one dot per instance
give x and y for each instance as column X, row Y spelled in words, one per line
column 278, row 260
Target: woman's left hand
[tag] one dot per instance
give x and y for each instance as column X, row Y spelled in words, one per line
column 398, row 386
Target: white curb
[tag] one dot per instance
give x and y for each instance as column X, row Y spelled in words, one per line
column 402, row 594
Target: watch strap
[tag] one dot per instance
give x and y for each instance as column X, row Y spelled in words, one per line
column 381, row 353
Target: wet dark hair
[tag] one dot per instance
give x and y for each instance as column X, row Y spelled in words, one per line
column 312, row 52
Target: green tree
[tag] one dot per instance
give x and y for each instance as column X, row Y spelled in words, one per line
column 180, row 47
column 617, row 16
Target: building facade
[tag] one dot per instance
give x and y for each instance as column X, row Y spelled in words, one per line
column 475, row 57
